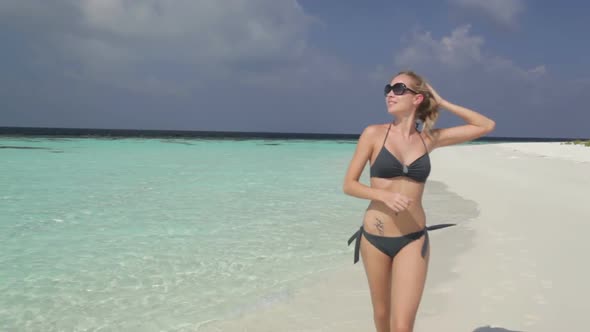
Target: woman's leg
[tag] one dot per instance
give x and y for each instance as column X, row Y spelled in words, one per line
column 378, row 269
column 408, row 278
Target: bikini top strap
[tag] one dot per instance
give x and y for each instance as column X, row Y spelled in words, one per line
column 424, row 143
column 385, row 139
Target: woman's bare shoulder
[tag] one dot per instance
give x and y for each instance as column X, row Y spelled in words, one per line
column 372, row 131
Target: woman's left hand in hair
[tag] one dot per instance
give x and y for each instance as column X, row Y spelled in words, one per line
column 439, row 100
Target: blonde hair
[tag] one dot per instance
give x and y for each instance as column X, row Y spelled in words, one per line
column 427, row 111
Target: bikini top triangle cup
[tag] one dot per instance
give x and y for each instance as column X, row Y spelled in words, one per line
column 387, row 166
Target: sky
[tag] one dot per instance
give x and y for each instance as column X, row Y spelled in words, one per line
column 307, row 66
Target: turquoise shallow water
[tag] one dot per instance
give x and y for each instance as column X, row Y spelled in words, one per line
column 154, row 234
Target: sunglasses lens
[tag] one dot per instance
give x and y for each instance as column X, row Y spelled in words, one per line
column 398, row 89
column 386, row 89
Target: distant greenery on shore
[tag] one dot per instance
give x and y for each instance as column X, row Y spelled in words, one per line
column 579, row 142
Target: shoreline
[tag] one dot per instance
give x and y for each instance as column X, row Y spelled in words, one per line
column 346, row 284
column 493, row 272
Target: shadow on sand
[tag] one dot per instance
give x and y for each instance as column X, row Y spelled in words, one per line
column 493, row 329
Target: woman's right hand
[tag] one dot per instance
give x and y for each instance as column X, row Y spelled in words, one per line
column 395, row 201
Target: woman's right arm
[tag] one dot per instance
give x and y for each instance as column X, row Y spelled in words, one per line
column 362, row 155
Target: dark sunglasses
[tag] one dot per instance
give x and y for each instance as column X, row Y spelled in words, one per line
column 398, row 89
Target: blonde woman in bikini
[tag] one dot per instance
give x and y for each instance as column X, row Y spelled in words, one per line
column 393, row 238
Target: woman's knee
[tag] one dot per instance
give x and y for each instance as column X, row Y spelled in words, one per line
column 401, row 325
column 381, row 313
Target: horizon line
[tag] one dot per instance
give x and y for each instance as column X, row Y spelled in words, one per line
column 118, row 132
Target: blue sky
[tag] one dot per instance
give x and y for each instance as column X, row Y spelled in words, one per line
column 305, row 66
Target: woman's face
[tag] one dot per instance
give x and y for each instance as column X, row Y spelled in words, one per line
column 401, row 96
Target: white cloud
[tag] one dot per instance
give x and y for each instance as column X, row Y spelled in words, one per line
column 460, row 51
column 539, row 70
column 201, row 30
column 502, row 11
column 457, row 50
column 129, row 43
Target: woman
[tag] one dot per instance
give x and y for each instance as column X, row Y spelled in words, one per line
column 393, row 238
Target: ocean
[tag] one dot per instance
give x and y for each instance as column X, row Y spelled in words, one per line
column 151, row 234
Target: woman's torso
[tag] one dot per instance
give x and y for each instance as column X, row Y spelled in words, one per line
column 389, row 151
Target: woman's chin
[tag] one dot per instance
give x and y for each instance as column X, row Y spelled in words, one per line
column 392, row 110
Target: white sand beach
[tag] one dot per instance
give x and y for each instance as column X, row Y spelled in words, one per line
column 516, row 263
